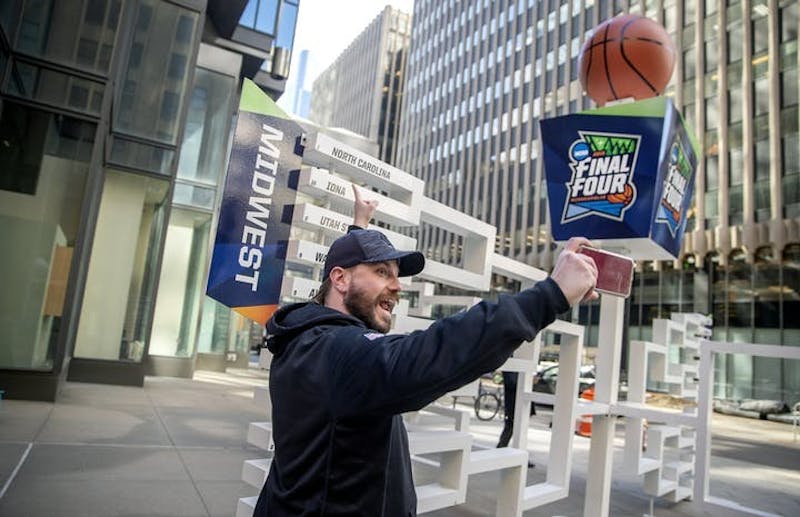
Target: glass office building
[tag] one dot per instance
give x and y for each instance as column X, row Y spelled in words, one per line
column 115, row 120
column 482, row 73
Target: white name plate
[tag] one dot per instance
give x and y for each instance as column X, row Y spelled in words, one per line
column 327, row 153
column 298, row 289
column 307, row 253
column 320, row 184
column 333, row 223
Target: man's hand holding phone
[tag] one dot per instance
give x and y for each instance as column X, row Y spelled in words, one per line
column 574, row 273
column 614, row 271
column 581, row 271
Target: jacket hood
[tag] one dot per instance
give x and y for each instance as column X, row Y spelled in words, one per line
column 291, row 320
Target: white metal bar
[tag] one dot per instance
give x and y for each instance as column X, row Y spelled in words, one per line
column 598, row 482
column 775, row 351
column 708, row 350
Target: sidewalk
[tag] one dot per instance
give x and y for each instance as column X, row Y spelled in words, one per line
column 172, row 448
column 176, row 448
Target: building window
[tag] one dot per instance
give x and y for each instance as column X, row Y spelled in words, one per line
column 760, row 35
column 788, row 22
column 790, row 154
column 120, row 281
column 712, row 209
column 791, row 324
column 44, row 163
column 689, row 64
column 151, row 111
column 761, row 101
column 689, row 13
column 285, row 37
column 712, row 173
column 260, row 15
column 735, row 105
column 735, row 36
column 180, row 288
column 177, row 66
column 712, row 113
column 789, row 87
column 762, row 198
column 739, row 298
column 56, row 88
column 73, row 44
column 711, row 54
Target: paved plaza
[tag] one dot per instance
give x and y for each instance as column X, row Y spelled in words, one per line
column 176, row 448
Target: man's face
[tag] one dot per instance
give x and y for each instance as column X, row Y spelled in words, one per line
column 372, row 294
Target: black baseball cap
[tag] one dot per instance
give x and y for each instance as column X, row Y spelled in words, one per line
column 367, row 246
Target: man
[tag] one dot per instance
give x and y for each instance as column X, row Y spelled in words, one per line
column 509, row 406
column 339, row 384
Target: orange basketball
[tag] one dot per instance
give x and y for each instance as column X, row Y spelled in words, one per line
column 624, row 197
column 626, row 56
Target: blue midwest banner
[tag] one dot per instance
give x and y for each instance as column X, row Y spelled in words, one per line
column 247, row 265
column 623, row 174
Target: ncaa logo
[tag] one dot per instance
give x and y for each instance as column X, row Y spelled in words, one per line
column 579, row 151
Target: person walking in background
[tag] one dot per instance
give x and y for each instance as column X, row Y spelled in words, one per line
column 509, row 406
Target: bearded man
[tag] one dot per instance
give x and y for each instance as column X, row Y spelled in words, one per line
column 339, row 383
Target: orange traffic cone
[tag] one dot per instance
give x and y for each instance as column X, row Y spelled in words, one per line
column 584, row 423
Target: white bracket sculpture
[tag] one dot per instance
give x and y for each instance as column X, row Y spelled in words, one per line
column 708, row 351
column 667, row 463
column 402, row 205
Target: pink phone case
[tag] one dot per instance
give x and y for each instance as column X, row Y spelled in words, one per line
column 614, row 271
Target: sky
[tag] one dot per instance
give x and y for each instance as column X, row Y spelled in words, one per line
column 325, row 28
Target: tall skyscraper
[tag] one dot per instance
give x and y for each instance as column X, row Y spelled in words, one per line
column 362, row 90
column 482, row 73
column 300, row 93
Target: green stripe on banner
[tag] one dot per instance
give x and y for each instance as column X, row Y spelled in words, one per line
column 255, row 100
column 655, row 107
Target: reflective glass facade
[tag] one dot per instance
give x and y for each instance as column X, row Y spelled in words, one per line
column 115, row 120
column 276, row 18
column 44, row 166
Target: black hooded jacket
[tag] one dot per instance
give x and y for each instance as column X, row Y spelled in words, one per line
column 338, row 389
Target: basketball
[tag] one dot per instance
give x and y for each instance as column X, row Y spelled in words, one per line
column 626, row 56
column 625, row 197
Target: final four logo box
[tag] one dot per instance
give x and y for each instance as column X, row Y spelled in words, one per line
column 622, row 176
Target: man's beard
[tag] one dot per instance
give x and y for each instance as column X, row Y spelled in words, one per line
column 360, row 306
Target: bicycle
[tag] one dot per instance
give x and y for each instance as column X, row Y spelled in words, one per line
column 488, row 402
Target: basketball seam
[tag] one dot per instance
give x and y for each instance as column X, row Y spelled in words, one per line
column 605, row 62
column 628, row 61
column 649, row 40
column 585, row 76
column 628, row 38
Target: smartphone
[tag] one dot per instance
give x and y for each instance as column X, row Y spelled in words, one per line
column 614, row 271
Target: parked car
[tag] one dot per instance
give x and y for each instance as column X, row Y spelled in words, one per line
column 546, row 379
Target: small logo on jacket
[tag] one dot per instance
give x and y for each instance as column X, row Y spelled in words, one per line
column 372, row 336
column 602, row 166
